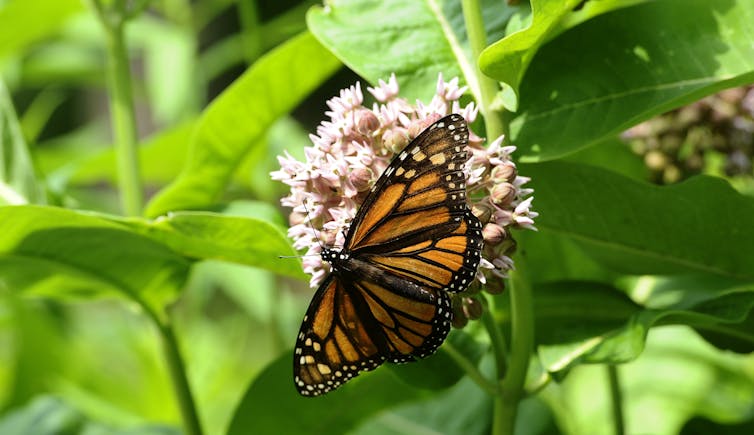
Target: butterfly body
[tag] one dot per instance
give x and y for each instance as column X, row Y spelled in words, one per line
column 413, row 242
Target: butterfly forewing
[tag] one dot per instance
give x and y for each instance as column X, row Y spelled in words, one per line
column 412, row 242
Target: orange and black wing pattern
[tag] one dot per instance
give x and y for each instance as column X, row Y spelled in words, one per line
column 412, row 243
column 416, row 222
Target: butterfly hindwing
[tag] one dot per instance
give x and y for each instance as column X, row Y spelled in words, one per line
column 351, row 327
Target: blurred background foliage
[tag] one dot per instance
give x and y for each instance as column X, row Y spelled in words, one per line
column 96, row 366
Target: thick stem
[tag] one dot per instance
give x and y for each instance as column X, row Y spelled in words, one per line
column 617, row 400
column 522, row 343
column 488, row 87
column 122, row 115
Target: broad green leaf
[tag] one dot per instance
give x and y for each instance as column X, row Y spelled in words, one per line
column 507, row 59
column 25, row 22
column 61, row 253
column 18, row 179
column 659, row 55
column 700, row 226
column 588, row 323
column 205, row 235
column 415, row 40
column 237, row 120
column 271, row 403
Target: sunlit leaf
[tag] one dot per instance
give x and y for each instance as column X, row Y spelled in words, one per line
column 659, row 55
column 23, row 22
column 414, row 40
column 18, row 180
column 236, row 121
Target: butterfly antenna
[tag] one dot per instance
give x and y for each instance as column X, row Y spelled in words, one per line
column 315, row 233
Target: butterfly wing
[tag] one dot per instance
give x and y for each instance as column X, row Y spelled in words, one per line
column 354, row 326
column 415, row 223
column 413, row 240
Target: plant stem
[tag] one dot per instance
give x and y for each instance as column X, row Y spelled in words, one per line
column 522, row 343
column 251, row 30
column 177, row 370
column 617, row 399
column 488, row 87
column 471, row 370
column 122, row 113
column 181, row 385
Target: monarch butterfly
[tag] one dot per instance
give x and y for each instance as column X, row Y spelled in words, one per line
column 413, row 242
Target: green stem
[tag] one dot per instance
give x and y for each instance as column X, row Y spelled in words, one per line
column 522, row 343
column 250, row 30
column 617, row 399
column 177, row 370
column 122, row 113
column 496, row 337
column 181, row 385
column 470, row 369
column 488, row 87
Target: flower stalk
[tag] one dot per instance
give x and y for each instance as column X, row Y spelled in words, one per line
column 513, row 379
column 122, row 112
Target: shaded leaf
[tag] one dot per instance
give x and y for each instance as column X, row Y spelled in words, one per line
column 588, row 323
column 700, row 226
column 440, row 370
column 236, row 121
column 63, row 253
column 271, row 402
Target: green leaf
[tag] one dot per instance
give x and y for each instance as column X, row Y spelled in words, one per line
column 507, row 59
column 271, row 402
column 205, row 235
column 62, row 253
column 440, row 370
column 237, row 120
column 18, row 180
column 414, row 40
column 700, row 226
column 598, row 86
column 589, row 323
column 23, row 22
column 48, row 415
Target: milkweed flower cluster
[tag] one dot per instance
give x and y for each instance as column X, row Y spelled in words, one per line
column 354, row 146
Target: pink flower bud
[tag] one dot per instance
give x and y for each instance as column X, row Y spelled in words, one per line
column 503, row 193
column 472, row 308
column 504, row 173
column 493, row 234
column 361, row 178
column 367, row 122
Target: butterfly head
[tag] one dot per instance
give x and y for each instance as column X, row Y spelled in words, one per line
column 333, row 256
